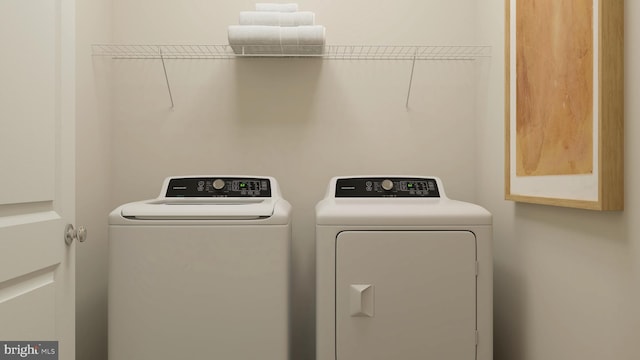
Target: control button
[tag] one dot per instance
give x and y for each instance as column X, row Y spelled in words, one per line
column 218, row 184
column 387, row 184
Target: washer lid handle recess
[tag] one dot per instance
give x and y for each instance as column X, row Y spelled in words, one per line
column 200, row 209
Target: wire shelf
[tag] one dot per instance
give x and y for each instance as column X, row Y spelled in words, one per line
column 363, row 52
column 338, row 52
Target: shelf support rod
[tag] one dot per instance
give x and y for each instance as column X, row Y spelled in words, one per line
column 413, row 66
column 166, row 78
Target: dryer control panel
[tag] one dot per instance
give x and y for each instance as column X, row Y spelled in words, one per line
column 371, row 187
column 218, row 187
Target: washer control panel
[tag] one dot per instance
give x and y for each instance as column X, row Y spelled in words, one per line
column 387, row 187
column 218, row 187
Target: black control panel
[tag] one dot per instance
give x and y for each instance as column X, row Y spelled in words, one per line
column 219, row 187
column 387, row 187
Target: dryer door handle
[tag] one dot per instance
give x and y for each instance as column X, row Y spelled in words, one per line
column 361, row 300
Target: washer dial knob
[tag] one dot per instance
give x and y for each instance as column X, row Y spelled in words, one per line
column 218, row 184
column 387, row 184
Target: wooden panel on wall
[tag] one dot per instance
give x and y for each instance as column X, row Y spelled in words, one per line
column 564, row 103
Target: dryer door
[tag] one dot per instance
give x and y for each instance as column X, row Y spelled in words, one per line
column 405, row 295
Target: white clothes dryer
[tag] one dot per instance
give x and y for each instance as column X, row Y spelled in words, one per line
column 402, row 272
column 201, row 272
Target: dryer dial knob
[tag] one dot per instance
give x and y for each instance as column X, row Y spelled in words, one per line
column 387, row 184
column 218, row 184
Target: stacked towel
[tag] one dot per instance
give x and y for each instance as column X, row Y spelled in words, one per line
column 291, row 7
column 277, row 29
column 276, row 18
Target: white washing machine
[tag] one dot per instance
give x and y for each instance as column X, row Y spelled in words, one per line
column 403, row 272
column 201, row 272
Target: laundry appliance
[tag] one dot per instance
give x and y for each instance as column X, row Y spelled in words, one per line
column 201, row 272
column 402, row 272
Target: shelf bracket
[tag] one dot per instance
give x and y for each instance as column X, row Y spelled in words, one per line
column 166, row 78
column 413, row 66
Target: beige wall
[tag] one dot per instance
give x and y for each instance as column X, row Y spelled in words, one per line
column 300, row 120
column 566, row 281
column 93, row 179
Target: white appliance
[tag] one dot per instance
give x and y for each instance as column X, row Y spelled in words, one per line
column 201, row 272
column 403, row 272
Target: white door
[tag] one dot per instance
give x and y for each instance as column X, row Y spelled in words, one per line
column 37, row 144
column 407, row 295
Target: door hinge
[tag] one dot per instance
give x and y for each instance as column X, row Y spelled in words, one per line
column 477, row 337
column 477, row 268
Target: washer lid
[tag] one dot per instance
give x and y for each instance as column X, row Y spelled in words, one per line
column 209, row 200
column 200, row 209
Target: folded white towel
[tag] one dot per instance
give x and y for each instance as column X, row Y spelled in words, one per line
column 254, row 39
column 303, row 39
column 259, row 39
column 275, row 18
column 281, row 7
